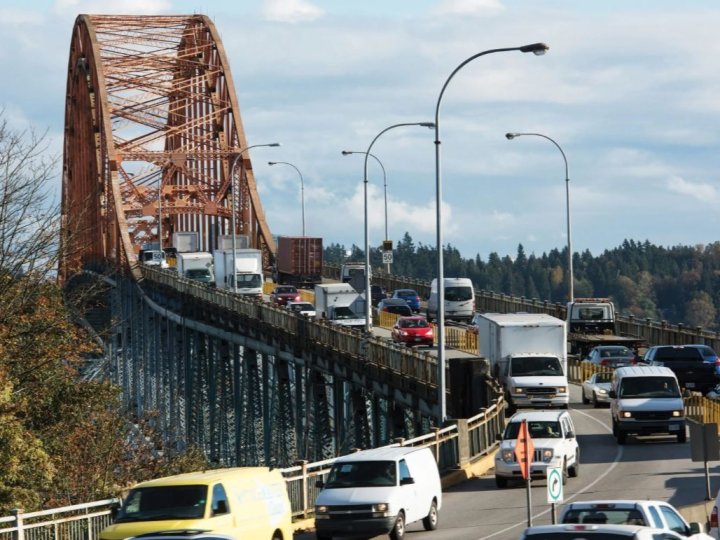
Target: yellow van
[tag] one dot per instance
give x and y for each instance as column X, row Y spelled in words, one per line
column 248, row 503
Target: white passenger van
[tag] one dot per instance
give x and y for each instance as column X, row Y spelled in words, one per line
column 379, row 491
column 459, row 300
column 646, row 400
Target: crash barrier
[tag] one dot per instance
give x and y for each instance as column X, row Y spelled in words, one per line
column 456, row 445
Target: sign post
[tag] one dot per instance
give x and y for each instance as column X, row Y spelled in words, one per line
column 704, row 447
column 524, row 454
column 554, row 489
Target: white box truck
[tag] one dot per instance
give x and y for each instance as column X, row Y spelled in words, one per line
column 197, row 266
column 340, row 304
column 186, row 241
column 247, row 271
column 528, row 355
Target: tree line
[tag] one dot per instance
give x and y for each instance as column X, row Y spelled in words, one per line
column 678, row 284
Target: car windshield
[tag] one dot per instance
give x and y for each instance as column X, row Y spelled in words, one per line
column 549, row 429
column 344, row 312
column 614, row 516
column 406, row 294
column 613, row 352
column 164, row 502
column 286, row 290
column 413, row 323
column 198, row 273
column 603, row 377
column 535, row 365
column 678, row 353
column 458, row 294
column 362, row 474
column 249, row 280
column 647, row 387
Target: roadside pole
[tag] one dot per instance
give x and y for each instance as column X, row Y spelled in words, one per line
column 524, row 453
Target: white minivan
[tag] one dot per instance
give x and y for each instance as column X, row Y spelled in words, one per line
column 379, row 491
column 459, row 300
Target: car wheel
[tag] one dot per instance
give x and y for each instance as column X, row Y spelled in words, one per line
column 574, row 471
column 585, row 400
column 501, row 482
column 277, row 535
column 614, row 428
column 398, row 530
column 430, row 522
column 428, row 317
column 682, row 436
column 596, row 403
column 621, row 437
column 319, row 536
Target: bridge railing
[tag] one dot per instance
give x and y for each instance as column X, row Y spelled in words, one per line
column 77, row 522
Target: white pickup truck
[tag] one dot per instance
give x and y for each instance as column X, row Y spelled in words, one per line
column 658, row 514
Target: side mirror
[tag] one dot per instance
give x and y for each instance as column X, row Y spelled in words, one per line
column 612, row 394
column 570, row 435
column 695, row 528
column 319, row 484
column 407, row 481
column 686, row 392
column 114, row 509
column 220, row 508
column 498, row 437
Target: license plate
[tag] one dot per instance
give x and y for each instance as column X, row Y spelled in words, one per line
column 674, row 427
column 690, row 385
column 418, row 339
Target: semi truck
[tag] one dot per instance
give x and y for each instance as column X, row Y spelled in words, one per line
column 240, row 271
column 340, row 304
column 298, row 261
column 197, row 266
column 591, row 322
column 527, row 353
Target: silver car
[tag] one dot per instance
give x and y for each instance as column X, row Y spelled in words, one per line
column 596, row 389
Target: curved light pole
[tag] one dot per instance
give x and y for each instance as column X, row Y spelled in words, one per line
column 347, row 153
column 368, row 296
column 571, row 279
column 538, row 49
column 232, row 190
column 302, row 189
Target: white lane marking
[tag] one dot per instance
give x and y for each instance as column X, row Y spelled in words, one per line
column 618, row 457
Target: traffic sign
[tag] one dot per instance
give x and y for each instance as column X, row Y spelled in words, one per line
column 387, row 257
column 554, row 485
column 387, row 245
column 524, row 450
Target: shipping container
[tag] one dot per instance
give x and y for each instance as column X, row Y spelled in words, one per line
column 298, row 261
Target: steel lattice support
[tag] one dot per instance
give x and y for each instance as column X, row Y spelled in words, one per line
column 152, row 125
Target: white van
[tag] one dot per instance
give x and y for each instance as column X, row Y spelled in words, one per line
column 646, row 400
column 379, row 491
column 459, row 300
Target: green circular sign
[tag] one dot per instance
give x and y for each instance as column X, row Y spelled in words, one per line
column 554, row 485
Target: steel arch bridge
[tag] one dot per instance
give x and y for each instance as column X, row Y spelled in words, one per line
column 152, row 127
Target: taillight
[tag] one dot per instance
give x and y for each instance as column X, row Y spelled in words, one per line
column 714, row 517
column 717, row 361
column 604, row 362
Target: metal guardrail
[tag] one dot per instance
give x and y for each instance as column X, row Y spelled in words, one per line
column 77, row 522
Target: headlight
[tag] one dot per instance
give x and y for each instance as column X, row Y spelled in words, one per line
column 678, row 413
column 321, row 509
column 547, row 455
column 626, row 414
column 507, row 455
column 601, row 391
column 519, row 390
column 562, row 389
column 380, row 507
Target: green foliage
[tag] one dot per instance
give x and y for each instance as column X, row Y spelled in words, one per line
column 679, row 284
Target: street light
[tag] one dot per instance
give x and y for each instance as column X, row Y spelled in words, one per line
column 347, row 153
column 232, row 190
column 368, row 311
column 538, row 49
column 302, row 189
column 571, row 279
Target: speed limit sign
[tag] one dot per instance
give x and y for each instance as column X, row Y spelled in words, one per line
column 387, row 257
column 554, row 485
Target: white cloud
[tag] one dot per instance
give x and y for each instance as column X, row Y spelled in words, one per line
column 702, row 192
column 468, row 7
column 291, row 11
column 94, row 7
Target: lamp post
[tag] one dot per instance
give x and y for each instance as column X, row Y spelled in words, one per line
column 232, row 190
column 347, row 153
column 368, row 311
column 571, row 279
column 302, row 189
column 160, row 237
column 538, row 49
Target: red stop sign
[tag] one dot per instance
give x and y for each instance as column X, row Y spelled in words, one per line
column 524, row 450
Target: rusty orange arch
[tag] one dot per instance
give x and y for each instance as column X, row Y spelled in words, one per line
column 152, row 126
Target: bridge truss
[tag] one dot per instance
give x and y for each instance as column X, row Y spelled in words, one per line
column 152, row 127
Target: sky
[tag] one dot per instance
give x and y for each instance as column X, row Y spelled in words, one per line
column 628, row 90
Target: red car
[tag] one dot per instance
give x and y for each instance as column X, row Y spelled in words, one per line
column 413, row 331
column 283, row 294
